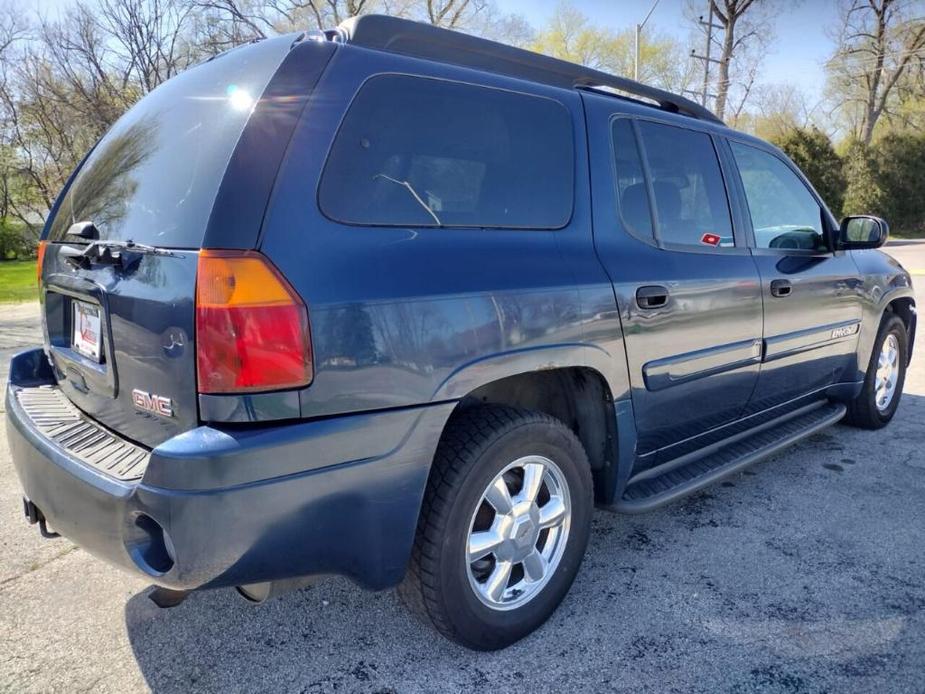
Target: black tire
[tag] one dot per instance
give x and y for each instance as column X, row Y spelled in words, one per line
column 476, row 446
column 863, row 411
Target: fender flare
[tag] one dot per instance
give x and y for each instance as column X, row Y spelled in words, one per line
column 873, row 317
column 480, row 372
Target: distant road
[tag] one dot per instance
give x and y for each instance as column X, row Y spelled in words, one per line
column 909, row 252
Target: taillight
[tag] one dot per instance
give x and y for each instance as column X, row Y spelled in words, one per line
column 252, row 329
column 40, row 259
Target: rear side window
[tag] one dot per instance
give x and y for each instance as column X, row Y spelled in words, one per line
column 154, row 176
column 631, row 181
column 422, row 152
column 690, row 195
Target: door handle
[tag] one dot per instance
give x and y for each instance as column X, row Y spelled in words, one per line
column 781, row 288
column 653, row 296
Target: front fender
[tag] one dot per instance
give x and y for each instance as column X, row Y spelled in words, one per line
column 885, row 281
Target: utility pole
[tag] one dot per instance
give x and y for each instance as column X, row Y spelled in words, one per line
column 638, row 32
column 705, row 94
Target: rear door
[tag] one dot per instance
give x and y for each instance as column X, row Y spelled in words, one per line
column 120, row 331
column 812, row 295
column 687, row 289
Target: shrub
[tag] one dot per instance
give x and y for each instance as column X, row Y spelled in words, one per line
column 16, row 240
column 864, row 193
column 812, row 150
column 900, row 164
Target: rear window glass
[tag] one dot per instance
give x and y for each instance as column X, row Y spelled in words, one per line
column 422, row 152
column 154, row 176
column 632, row 194
column 690, row 195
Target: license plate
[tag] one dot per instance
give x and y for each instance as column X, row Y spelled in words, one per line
column 87, row 330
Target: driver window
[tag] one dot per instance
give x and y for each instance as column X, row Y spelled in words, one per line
column 784, row 213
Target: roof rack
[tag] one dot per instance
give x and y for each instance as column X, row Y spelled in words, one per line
column 421, row 40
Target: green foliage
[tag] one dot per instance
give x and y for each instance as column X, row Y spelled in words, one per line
column 900, row 163
column 570, row 35
column 864, row 194
column 17, row 281
column 16, row 240
column 813, row 152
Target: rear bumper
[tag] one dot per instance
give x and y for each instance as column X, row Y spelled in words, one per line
column 230, row 507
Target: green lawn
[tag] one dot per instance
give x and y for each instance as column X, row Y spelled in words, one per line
column 17, row 281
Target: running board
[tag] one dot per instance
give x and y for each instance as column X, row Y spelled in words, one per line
column 649, row 492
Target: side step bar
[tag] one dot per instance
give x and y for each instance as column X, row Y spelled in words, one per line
column 726, row 458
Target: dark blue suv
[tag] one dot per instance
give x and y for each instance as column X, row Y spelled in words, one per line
column 404, row 305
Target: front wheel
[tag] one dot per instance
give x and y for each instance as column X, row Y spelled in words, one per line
column 503, row 528
column 875, row 406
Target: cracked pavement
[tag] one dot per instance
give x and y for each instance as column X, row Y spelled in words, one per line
column 802, row 574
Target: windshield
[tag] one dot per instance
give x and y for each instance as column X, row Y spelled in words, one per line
column 154, row 176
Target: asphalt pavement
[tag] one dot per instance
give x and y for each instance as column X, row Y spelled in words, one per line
column 805, row 573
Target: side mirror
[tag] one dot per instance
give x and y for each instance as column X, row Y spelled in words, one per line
column 862, row 231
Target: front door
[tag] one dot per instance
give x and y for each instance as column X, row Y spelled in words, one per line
column 687, row 288
column 812, row 303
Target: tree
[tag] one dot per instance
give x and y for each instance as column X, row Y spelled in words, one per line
column 881, row 46
column 900, row 162
column 812, row 150
column 227, row 23
column 739, row 32
column 863, row 194
column 570, row 36
column 65, row 86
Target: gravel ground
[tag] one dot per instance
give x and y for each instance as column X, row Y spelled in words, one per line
column 802, row 574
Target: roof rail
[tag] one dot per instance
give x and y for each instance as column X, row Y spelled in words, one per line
column 421, row 40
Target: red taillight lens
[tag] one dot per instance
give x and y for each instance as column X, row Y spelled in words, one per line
column 40, row 260
column 252, row 329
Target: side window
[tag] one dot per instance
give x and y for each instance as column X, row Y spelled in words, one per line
column 690, row 196
column 415, row 151
column 632, row 195
column 784, row 213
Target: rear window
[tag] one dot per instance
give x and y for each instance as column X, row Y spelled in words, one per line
column 631, row 182
column 414, row 151
column 154, row 176
column 690, row 195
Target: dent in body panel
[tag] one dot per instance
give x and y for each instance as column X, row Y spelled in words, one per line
column 404, row 316
column 689, row 391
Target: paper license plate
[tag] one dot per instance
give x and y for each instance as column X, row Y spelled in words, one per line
column 87, row 330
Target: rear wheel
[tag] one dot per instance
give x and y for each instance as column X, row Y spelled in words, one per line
column 875, row 406
column 504, row 526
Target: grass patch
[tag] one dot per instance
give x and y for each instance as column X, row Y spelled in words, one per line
column 907, row 233
column 17, row 281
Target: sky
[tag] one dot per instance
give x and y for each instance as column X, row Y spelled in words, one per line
column 797, row 56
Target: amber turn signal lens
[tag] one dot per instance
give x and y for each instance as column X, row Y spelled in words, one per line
column 40, row 260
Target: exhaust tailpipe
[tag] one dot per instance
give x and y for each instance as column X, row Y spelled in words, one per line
column 167, row 597
column 261, row 592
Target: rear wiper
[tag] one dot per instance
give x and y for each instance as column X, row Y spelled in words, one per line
column 84, row 230
column 124, row 254
column 414, row 193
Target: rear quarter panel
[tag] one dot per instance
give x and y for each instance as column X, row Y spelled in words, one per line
column 405, row 316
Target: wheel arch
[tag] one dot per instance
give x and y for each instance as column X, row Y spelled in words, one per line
column 904, row 307
column 578, row 396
